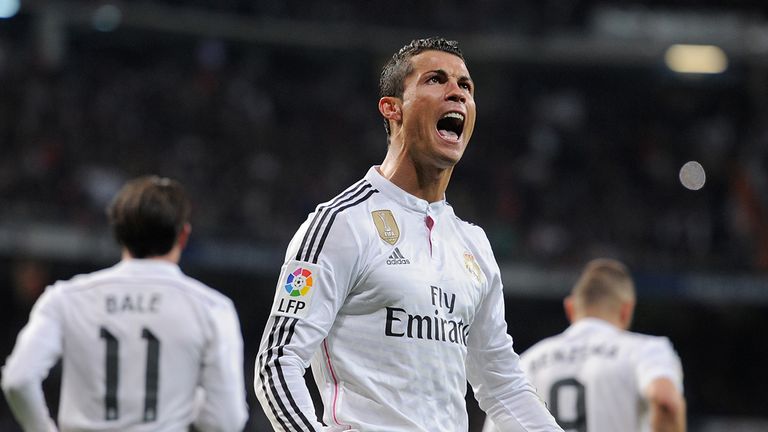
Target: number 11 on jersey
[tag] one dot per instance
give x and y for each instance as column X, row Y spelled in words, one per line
column 112, row 365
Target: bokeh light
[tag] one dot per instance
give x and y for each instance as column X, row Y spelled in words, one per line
column 9, row 8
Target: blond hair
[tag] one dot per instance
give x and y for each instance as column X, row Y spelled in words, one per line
column 604, row 285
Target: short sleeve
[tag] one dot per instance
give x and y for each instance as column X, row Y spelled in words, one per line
column 658, row 359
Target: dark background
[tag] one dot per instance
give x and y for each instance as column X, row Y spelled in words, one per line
column 264, row 109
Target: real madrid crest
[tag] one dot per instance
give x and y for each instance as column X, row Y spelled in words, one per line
column 470, row 263
column 386, row 225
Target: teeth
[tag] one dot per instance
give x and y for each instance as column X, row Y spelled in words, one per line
column 454, row 115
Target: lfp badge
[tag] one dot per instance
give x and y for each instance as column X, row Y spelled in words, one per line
column 296, row 293
column 299, row 282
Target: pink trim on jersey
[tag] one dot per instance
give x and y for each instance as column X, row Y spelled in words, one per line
column 430, row 223
column 335, row 385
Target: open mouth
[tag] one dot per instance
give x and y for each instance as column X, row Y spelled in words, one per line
column 451, row 125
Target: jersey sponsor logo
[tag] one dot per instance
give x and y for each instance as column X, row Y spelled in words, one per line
column 400, row 323
column 386, row 226
column 397, row 258
column 470, row 263
column 296, row 293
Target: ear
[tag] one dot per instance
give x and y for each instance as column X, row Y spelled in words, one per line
column 568, row 306
column 625, row 314
column 186, row 230
column 389, row 107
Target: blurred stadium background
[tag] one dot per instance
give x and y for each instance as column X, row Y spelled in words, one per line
column 586, row 112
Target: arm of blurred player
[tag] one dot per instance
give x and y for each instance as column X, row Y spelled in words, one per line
column 667, row 406
column 660, row 376
column 223, row 406
column 493, row 368
column 38, row 348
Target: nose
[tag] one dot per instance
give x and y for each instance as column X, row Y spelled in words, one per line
column 454, row 93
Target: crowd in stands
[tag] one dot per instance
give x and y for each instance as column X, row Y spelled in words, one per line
column 565, row 161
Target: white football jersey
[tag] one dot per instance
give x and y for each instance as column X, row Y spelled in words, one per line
column 396, row 303
column 592, row 375
column 143, row 348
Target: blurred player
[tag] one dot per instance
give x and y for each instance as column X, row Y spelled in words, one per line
column 598, row 377
column 143, row 347
column 394, row 300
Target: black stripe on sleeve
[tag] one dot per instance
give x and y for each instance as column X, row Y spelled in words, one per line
column 286, row 390
column 331, row 210
column 263, row 379
column 333, row 216
column 282, row 338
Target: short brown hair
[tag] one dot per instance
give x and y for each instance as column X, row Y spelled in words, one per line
column 603, row 283
column 392, row 80
column 148, row 214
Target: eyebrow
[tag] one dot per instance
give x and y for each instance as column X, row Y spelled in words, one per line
column 441, row 72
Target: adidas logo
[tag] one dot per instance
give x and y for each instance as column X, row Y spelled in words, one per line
column 397, row 258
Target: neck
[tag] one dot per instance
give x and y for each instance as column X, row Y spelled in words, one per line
column 610, row 318
column 424, row 181
column 173, row 256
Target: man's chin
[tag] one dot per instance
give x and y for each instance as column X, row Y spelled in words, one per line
column 448, row 161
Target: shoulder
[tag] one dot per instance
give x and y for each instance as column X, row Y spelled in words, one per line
column 79, row 282
column 337, row 223
column 203, row 293
column 473, row 232
column 646, row 344
column 652, row 354
column 531, row 359
column 467, row 225
column 57, row 298
column 349, row 198
column 541, row 346
column 476, row 240
column 351, row 202
column 654, row 357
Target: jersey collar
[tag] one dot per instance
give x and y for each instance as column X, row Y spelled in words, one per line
column 148, row 266
column 590, row 324
column 401, row 197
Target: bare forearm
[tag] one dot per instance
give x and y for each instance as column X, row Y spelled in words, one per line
column 668, row 408
column 666, row 420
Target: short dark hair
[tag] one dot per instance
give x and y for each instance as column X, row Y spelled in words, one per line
column 148, row 214
column 392, row 80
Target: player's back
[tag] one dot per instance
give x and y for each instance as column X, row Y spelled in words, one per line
column 134, row 339
column 592, row 375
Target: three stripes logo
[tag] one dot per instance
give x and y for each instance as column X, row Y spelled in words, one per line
column 397, row 258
